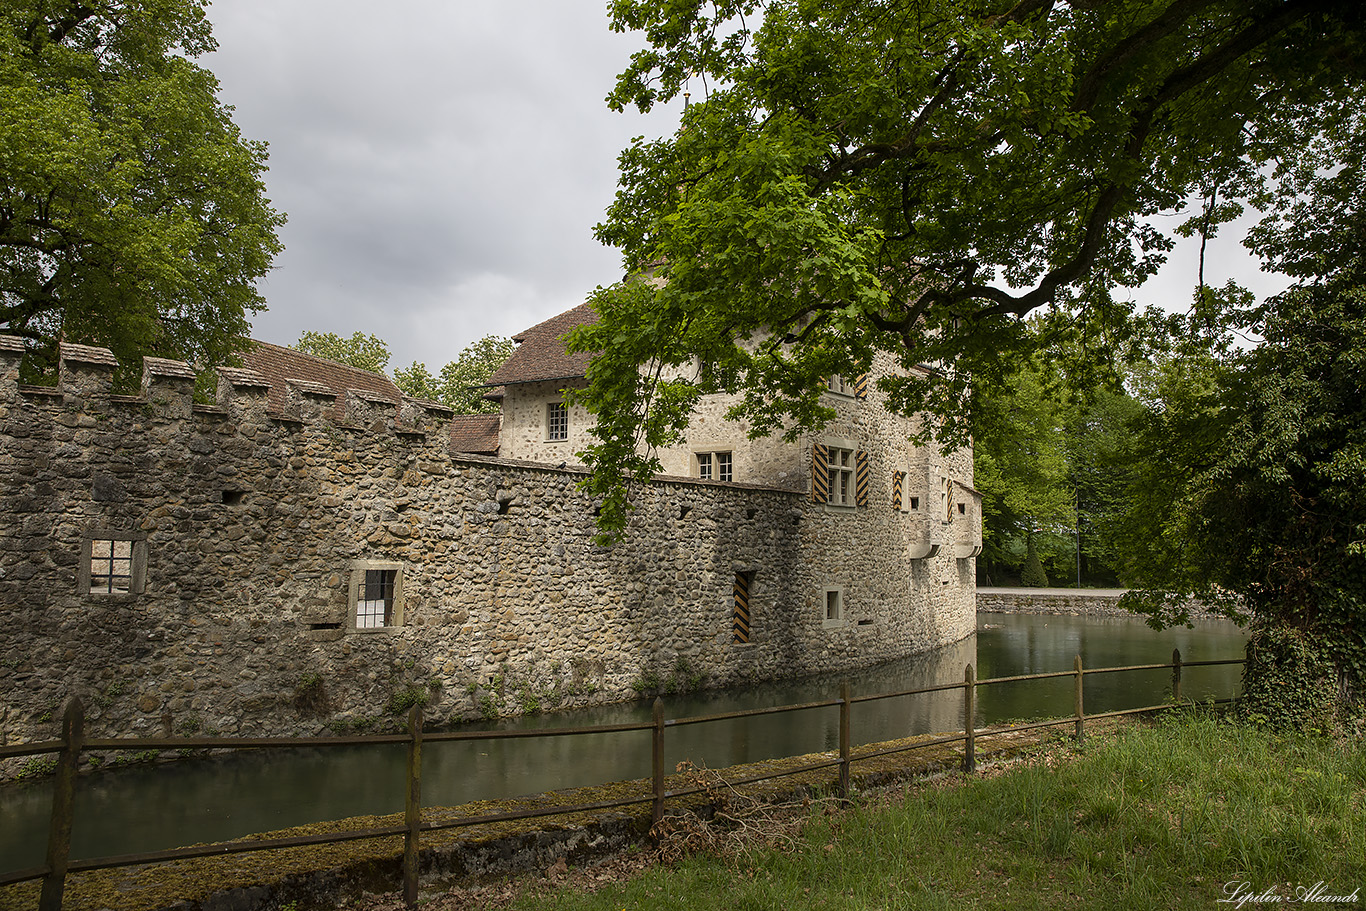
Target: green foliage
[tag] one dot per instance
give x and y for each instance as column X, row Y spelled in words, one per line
column 36, row 767
column 310, row 696
column 402, row 700
column 1288, row 682
column 359, row 724
column 1020, row 465
column 864, row 177
column 460, row 382
column 132, row 212
column 1152, row 817
column 1268, row 461
column 1033, row 574
column 368, row 352
column 681, row 678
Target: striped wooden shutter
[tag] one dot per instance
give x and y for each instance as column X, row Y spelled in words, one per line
column 740, row 625
column 820, row 474
column 898, row 481
column 861, row 478
column 861, row 386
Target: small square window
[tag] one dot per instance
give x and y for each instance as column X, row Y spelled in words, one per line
column 112, row 566
column 556, row 421
column 915, row 504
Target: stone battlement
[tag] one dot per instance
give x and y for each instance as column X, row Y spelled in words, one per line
column 86, row 382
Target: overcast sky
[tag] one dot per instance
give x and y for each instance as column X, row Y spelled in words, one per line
column 442, row 163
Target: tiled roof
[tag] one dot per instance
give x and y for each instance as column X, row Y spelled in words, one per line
column 540, row 353
column 278, row 364
column 477, row 433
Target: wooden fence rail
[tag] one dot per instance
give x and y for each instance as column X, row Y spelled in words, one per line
column 58, row 863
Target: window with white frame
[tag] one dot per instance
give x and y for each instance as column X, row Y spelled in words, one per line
column 839, row 386
column 376, row 595
column 112, row 565
column 556, row 421
column 841, row 466
column 715, row 466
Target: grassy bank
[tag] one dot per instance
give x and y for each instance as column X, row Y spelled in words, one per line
column 1149, row 817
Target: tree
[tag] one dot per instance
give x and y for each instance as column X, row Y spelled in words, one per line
column 915, row 176
column 1263, row 514
column 132, row 212
column 461, row 382
column 1022, row 471
column 368, row 352
column 459, row 386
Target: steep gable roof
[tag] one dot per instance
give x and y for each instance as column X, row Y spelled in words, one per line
column 277, row 364
column 540, row 353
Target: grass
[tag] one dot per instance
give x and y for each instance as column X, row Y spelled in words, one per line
column 1162, row 816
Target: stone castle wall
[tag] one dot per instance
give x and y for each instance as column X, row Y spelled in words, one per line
column 250, row 529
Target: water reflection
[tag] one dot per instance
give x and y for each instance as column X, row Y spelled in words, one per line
column 151, row 807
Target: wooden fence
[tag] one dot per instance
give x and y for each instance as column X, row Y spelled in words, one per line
column 58, row 864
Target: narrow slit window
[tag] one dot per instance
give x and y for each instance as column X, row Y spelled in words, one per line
column 740, row 616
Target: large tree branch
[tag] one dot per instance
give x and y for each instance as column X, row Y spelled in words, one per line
column 1176, row 84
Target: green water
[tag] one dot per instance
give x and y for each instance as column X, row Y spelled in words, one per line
column 148, row 808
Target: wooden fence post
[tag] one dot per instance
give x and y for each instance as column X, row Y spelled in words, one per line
column 1176, row 675
column 657, row 762
column 969, row 720
column 1077, row 698
column 412, row 808
column 845, row 704
column 63, row 807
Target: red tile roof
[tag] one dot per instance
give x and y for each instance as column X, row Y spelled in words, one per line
column 477, row 433
column 540, row 353
column 278, row 364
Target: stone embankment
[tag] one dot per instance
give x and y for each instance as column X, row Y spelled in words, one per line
column 1086, row 602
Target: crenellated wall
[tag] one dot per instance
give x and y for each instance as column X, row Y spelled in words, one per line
column 248, row 529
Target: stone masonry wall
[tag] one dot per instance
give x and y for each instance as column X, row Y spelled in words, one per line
column 1083, row 602
column 250, row 527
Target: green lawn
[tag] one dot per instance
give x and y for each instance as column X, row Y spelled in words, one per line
column 1148, row 817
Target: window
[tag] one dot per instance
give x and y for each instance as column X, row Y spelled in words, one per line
column 376, row 595
column 841, row 468
column 714, row 466
column 556, row 421
column 833, row 608
column 856, row 388
column 112, row 565
column 840, row 473
column 740, row 619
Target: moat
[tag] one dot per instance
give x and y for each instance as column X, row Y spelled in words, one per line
column 148, row 807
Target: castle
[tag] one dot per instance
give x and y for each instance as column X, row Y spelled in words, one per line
column 308, row 559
